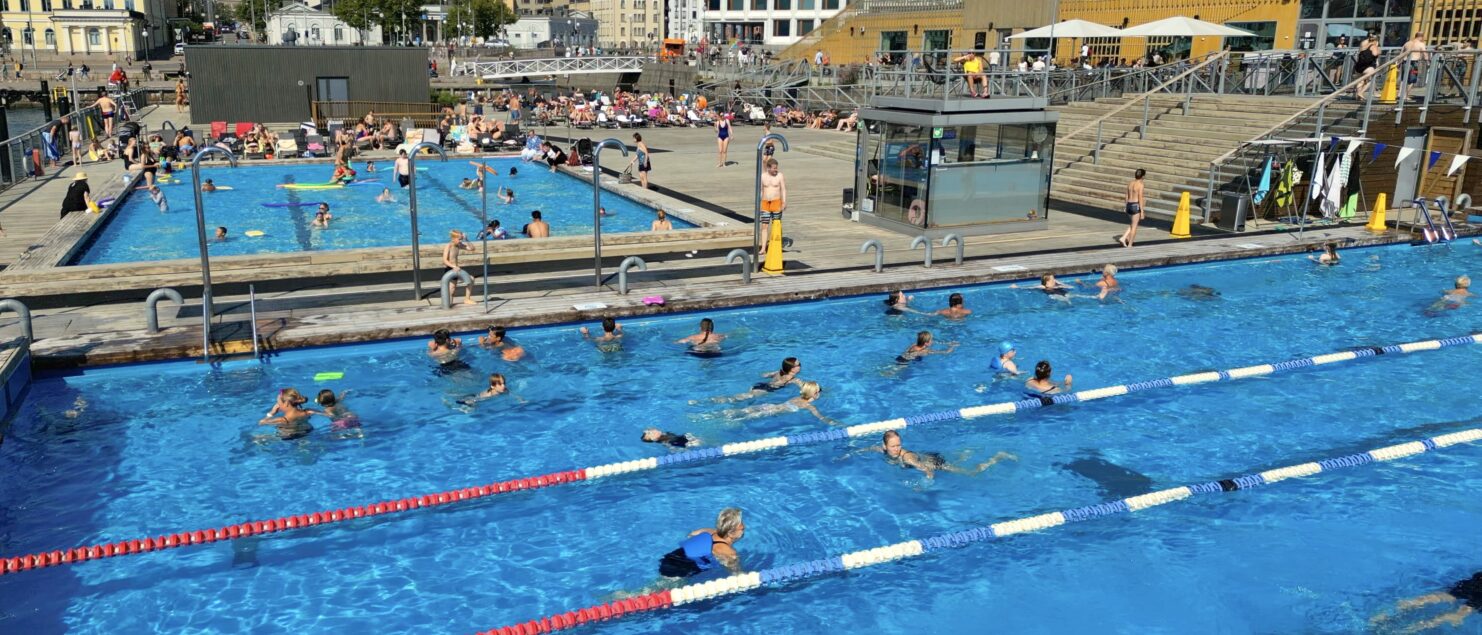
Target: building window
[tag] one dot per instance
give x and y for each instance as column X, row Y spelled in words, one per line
column 45, row 6
column 1340, row 8
column 25, row 5
column 28, row 36
column 128, row 5
column 339, row 33
column 1264, row 39
column 758, row 5
column 781, row 28
column 314, row 33
column 736, row 5
column 713, row 5
column 829, row 5
column 938, row 40
column 804, row 27
column 1400, row 8
column 50, row 37
column 1312, row 9
column 805, row 5
column 108, row 4
column 94, row 38
column 782, row 5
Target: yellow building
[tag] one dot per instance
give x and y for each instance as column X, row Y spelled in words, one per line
column 85, row 27
column 867, row 26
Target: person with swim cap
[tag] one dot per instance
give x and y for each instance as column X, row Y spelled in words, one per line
column 928, row 462
column 707, row 549
column 1003, row 364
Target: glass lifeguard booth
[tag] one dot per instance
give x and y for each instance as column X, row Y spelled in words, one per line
column 931, row 159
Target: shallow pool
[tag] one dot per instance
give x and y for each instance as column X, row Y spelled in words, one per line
column 125, row 452
column 140, row 231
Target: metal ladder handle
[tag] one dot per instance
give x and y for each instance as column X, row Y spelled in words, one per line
column 949, row 239
column 628, row 263
column 25, row 315
column 447, row 283
column 923, row 241
column 252, row 304
column 746, row 263
column 879, row 253
column 151, row 309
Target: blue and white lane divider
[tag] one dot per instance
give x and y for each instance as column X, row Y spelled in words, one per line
column 911, row 548
column 1011, row 407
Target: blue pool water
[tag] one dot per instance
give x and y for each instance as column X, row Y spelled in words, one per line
column 139, row 231
column 168, row 447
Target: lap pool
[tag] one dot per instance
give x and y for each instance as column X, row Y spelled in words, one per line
column 139, row 231
column 114, row 453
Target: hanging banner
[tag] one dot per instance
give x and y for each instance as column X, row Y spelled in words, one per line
column 1378, row 148
column 1435, row 156
column 1404, row 154
column 1456, row 163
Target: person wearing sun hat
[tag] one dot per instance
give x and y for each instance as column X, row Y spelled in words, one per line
column 1004, row 363
column 79, row 196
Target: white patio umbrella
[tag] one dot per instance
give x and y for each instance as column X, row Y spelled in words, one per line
column 1068, row 28
column 1075, row 29
column 1182, row 27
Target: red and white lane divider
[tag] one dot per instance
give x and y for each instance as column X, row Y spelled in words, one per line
column 258, row 527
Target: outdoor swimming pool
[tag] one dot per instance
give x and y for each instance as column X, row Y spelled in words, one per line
column 138, row 231
column 168, row 447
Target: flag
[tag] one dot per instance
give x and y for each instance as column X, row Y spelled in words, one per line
column 1456, row 163
column 1435, row 156
column 1265, row 185
column 1378, row 147
column 1404, row 154
column 1315, row 189
column 1332, row 143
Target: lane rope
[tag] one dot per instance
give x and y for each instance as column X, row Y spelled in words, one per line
column 776, row 576
column 41, row 560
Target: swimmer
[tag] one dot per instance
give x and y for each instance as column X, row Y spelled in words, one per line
column 289, row 415
column 324, row 209
column 479, row 170
column 158, row 196
column 492, row 231
column 385, row 196
column 340, row 416
column 321, row 219
column 706, row 341
column 1108, row 283
column 1042, row 384
column 508, row 349
column 1468, row 592
column 705, row 548
column 611, row 338
column 955, row 310
column 928, row 462
column 221, row 234
column 896, row 304
column 514, row 172
column 602, row 211
column 468, row 184
column 343, row 173
column 1003, row 364
column 1198, row 292
column 1329, row 255
column 655, row 435
column 922, row 348
column 1453, row 298
column 808, row 392
column 775, row 381
column 1050, row 286
column 208, row 186
column 506, row 195
column 444, row 348
column 370, row 167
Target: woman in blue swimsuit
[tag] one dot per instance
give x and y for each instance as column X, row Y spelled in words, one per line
column 723, row 137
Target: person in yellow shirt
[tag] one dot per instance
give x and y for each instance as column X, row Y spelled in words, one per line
column 972, row 67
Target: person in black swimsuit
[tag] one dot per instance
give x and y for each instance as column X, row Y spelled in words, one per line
column 655, row 435
column 776, row 380
column 1468, row 592
column 928, row 462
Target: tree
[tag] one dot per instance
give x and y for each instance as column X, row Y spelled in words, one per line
column 255, row 12
column 482, row 18
column 390, row 15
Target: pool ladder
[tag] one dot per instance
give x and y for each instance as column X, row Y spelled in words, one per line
column 1433, row 232
column 252, row 305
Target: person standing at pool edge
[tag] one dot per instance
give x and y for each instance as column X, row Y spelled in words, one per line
column 1137, row 202
column 641, row 159
column 457, row 242
column 774, row 202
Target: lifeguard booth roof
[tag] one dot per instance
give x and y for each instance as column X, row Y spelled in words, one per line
column 277, row 83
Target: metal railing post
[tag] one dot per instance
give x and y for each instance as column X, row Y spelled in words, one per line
column 1368, row 109
column 1096, row 149
column 206, row 308
column 252, row 307
column 597, row 202
column 1430, row 88
column 1142, row 132
column 1403, row 92
column 412, row 208
column 1206, row 208
column 1466, row 113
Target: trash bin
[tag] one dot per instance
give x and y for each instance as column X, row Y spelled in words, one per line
column 1233, row 208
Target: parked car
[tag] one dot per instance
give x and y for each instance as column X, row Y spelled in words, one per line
column 180, row 48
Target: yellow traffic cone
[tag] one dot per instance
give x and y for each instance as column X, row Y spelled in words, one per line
column 1391, row 91
column 1376, row 218
column 1181, row 219
column 773, row 263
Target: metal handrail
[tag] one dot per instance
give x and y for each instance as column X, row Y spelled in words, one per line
column 1145, row 96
